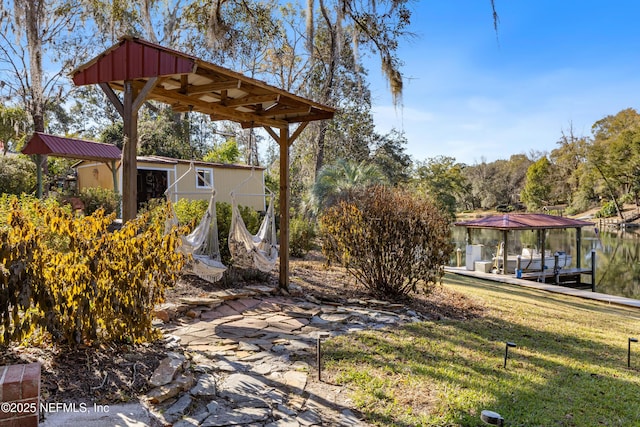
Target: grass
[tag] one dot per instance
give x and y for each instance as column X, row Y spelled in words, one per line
column 569, row 367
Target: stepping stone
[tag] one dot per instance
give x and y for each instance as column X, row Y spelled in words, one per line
column 231, row 366
column 288, row 325
column 248, row 303
column 284, row 422
column 230, row 294
column 243, row 328
column 178, row 409
column 377, row 302
column 206, row 386
column 167, row 370
column 207, row 302
column 246, row 346
column 240, row 416
column 296, row 380
column 245, row 390
column 317, row 320
column 336, row 318
column 220, row 312
column 265, row 290
column 237, row 305
column 213, row 349
column 167, row 391
column 309, row 418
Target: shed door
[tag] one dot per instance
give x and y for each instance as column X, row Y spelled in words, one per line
column 151, row 185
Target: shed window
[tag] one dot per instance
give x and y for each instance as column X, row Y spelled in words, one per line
column 204, row 178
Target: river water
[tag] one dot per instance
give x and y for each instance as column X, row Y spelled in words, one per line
column 617, row 253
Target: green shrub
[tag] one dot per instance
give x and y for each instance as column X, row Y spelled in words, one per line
column 95, row 198
column 70, row 277
column 17, row 175
column 301, row 235
column 389, row 240
column 608, row 210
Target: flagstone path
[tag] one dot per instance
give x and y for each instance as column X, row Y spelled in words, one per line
column 245, row 356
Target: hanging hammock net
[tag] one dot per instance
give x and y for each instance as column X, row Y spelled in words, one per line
column 202, row 245
column 258, row 251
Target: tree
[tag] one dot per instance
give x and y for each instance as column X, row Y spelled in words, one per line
column 340, row 178
column 613, row 158
column 388, row 154
column 227, row 152
column 14, row 126
column 29, row 29
column 17, row 175
column 569, row 160
column 442, row 180
column 538, row 187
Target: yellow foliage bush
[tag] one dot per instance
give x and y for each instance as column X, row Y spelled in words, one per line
column 73, row 278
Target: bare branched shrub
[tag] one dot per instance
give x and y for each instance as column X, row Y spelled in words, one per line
column 392, row 241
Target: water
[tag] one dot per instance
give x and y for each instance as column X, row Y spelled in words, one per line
column 617, row 253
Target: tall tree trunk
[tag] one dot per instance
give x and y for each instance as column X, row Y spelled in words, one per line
column 32, row 11
column 327, row 92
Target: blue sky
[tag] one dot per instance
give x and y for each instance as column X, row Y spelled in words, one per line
column 476, row 95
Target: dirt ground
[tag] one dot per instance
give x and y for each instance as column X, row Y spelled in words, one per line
column 109, row 374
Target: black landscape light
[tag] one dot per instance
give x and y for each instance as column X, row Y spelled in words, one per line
column 491, row 418
column 629, row 351
column 506, row 352
column 321, row 335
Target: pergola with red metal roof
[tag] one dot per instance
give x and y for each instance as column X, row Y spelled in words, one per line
column 145, row 71
column 43, row 144
column 523, row 222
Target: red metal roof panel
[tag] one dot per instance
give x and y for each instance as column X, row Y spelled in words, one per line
column 42, row 143
column 133, row 59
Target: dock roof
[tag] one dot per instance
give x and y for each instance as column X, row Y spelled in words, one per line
column 524, row 222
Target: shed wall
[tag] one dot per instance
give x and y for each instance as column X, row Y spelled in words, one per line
column 248, row 185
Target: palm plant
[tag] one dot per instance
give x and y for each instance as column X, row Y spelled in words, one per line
column 341, row 177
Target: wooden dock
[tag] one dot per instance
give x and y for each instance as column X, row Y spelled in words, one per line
column 565, row 277
column 565, row 290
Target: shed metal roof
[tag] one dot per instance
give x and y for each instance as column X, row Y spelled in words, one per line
column 524, row 222
column 191, row 84
column 57, row 146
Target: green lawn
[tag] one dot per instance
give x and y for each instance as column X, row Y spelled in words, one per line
column 569, row 367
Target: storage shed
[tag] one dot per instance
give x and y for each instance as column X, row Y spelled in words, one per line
column 193, row 180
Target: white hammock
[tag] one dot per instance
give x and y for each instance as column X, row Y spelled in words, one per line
column 201, row 245
column 253, row 251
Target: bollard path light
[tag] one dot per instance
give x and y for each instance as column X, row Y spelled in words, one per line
column 629, row 351
column 321, row 335
column 506, row 352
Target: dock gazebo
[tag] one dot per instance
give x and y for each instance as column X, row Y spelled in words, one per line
column 524, row 222
column 145, row 71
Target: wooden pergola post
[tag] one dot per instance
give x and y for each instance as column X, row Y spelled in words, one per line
column 128, row 109
column 129, row 155
column 285, row 193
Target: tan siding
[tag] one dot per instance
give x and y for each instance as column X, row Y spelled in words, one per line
column 240, row 180
column 94, row 175
column 225, row 180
